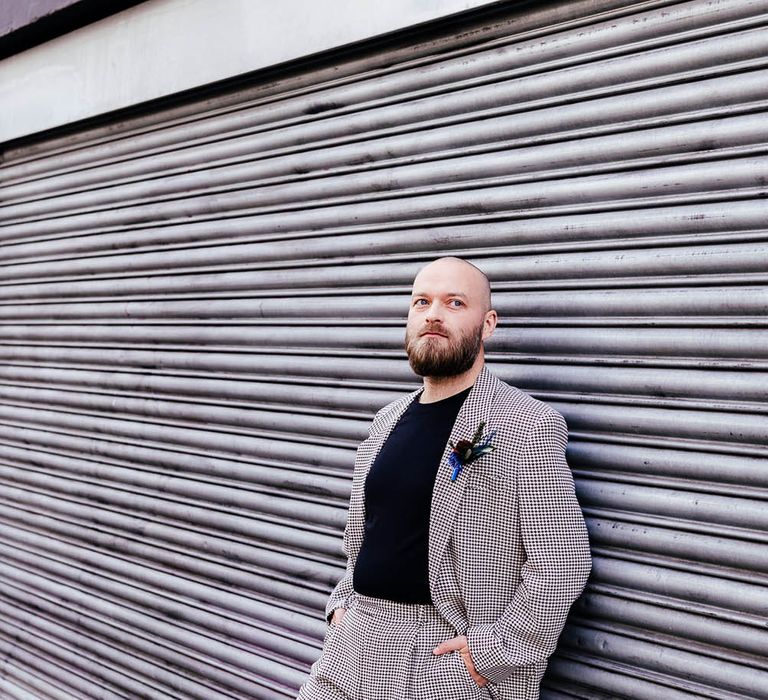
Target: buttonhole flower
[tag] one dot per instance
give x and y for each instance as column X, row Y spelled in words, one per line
column 467, row 451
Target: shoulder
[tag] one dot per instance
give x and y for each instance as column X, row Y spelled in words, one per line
column 530, row 433
column 522, row 413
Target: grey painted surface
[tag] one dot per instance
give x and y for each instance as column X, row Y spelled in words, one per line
column 16, row 15
column 162, row 47
column 25, row 24
column 201, row 309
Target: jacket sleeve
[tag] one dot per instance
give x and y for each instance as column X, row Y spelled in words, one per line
column 339, row 595
column 557, row 564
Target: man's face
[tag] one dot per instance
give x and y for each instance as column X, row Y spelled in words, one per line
column 448, row 319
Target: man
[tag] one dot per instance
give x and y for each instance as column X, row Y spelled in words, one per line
column 466, row 546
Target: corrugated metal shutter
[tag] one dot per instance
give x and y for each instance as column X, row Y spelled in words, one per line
column 201, row 308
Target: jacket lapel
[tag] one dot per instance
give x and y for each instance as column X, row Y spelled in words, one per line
column 447, row 494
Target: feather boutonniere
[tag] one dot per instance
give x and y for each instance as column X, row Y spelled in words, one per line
column 467, row 451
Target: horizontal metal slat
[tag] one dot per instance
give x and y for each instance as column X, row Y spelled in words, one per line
column 122, row 672
column 682, row 540
column 684, row 623
column 62, row 662
column 684, row 388
column 236, row 498
column 344, row 175
column 68, row 477
column 237, row 348
column 178, row 631
column 282, row 368
column 692, row 667
column 176, row 423
column 654, row 266
column 252, row 419
column 249, row 567
column 41, row 674
column 545, row 125
column 459, row 145
column 744, row 517
column 82, row 500
column 674, row 302
column 16, row 692
column 183, row 340
column 239, row 568
column 191, row 655
column 16, row 684
column 665, row 185
column 723, row 598
column 40, row 448
column 632, row 345
column 581, row 674
column 266, row 240
column 710, row 472
column 740, row 559
column 322, row 471
column 172, row 437
column 243, row 391
column 710, row 426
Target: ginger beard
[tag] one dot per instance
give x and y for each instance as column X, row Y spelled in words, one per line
column 431, row 356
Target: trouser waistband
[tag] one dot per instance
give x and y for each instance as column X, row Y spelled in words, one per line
column 381, row 607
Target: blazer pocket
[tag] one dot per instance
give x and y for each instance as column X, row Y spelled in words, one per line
column 519, row 686
column 483, row 481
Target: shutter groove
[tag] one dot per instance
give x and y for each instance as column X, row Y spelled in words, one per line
column 202, row 306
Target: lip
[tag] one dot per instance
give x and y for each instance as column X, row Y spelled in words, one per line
column 430, row 333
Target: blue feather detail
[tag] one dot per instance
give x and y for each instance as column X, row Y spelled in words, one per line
column 484, row 447
column 455, row 462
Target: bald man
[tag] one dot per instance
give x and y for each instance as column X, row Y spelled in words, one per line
column 465, row 543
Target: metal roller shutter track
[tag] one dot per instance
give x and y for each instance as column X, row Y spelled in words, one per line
column 201, row 308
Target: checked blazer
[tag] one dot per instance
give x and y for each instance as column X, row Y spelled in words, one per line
column 508, row 548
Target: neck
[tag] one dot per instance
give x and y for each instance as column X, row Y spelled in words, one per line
column 439, row 388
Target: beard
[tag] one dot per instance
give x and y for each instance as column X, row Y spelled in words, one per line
column 435, row 357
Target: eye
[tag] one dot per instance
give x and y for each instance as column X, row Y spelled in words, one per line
column 456, row 303
column 419, row 302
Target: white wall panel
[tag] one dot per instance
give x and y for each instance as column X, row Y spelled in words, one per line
column 162, row 47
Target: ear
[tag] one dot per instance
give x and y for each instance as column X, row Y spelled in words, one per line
column 489, row 323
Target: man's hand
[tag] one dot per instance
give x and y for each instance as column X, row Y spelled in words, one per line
column 461, row 645
column 337, row 615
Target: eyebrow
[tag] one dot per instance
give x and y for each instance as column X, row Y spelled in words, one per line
column 450, row 294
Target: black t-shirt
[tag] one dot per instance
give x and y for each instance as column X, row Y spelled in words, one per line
column 392, row 562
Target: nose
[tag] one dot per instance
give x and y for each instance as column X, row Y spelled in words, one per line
column 434, row 312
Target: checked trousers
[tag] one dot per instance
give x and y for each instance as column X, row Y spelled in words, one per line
column 382, row 650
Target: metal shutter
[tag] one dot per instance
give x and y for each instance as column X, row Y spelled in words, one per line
column 202, row 306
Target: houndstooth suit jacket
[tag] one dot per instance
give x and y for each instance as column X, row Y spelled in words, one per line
column 508, row 548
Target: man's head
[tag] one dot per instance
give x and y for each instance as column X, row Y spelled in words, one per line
column 449, row 318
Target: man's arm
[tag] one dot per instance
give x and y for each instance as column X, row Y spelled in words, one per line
column 557, row 559
column 340, row 593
